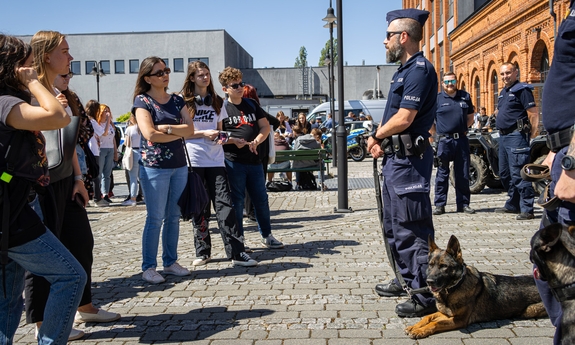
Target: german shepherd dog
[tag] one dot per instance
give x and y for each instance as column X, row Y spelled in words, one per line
column 464, row 295
column 553, row 252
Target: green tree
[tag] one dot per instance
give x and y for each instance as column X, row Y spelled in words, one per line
column 325, row 50
column 301, row 60
column 123, row 117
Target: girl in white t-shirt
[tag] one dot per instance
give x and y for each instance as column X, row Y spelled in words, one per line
column 133, row 138
column 104, row 129
column 207, row 159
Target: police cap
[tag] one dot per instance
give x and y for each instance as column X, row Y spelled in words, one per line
column 413, row 13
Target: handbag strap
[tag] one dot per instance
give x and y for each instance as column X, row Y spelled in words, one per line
column 187, row 155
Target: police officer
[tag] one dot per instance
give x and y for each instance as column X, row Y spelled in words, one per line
column 407, row 163
column 517, row 122
column 559, row 121
column 453, row 116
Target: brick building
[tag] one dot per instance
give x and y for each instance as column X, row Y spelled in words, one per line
column 480, row 35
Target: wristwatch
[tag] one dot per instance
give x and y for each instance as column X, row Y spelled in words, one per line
column 568, row 162
column 375, row 137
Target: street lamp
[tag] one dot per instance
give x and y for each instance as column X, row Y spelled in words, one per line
column 330, row 19
column 98, row 72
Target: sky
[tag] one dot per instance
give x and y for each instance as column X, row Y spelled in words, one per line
column 271, row 31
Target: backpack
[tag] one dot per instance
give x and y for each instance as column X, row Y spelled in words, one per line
column 307, row 181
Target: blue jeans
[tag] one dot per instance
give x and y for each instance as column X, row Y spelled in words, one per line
column 250, row 177
column 162, row 189
column 106, row 166
column 133, row 173
column 47, row 257
column 514, row 153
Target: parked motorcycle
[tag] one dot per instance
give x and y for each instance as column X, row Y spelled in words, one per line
column 356, row 139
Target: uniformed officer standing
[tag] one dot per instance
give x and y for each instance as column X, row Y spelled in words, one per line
column 559, row 121
column 453, row 116
column 407, row 159
column 517, row 122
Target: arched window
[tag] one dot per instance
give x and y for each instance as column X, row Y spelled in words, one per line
column 477, row 93
column 544, row 69
column 495, row 88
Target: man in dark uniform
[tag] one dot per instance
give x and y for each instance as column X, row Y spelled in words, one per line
column 517, row 122
column 407, row 159
column 559, row 121
column 453, row 116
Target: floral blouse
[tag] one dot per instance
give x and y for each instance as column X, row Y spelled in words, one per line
column 162, row 155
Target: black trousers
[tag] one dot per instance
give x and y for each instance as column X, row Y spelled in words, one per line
column 73, row 229
column 250, row 211
column 218, row 188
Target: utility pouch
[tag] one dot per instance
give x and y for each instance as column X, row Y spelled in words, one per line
column 397, row 146
column 524, row 126
column 386, row 146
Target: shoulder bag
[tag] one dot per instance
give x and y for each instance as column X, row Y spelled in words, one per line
column 60, row 148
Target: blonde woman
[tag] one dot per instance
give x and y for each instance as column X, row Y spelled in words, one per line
column 104, row 129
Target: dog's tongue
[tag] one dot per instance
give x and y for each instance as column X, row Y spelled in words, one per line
column 536, row 273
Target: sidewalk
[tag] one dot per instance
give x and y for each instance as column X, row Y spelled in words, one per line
column 317, row 290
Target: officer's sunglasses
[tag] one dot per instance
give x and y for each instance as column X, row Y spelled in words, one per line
column 389, row 34
column 452, row 82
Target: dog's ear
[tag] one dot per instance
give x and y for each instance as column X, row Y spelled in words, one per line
column 453, row 247
column 571, row 230
column 432, row 245
column 549, row 236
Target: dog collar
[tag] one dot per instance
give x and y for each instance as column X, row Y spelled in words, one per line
column 564, row 293
column 459, row 282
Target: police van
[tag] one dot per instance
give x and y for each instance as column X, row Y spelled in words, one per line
column 372, row 107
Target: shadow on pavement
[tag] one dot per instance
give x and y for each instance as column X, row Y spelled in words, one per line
column 197, row 324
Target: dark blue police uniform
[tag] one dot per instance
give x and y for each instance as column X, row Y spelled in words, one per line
column 514, row 148
column 405, row 189
column 453, row 145
column 559, row 115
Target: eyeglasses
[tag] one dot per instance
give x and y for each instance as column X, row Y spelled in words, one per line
column 235, row 86
column 161, row 73
column 389, row 34
column 69, row 75
column 452, row 82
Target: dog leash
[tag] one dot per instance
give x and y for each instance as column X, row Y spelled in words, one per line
column 378, row 179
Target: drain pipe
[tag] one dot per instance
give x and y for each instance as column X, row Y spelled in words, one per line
column 554, row 15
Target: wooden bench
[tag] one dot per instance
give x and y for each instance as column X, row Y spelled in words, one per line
column 301, row 155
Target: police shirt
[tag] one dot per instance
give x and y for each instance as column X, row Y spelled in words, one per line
column 512, row 104
column 558, row 106
column 414, row 86
column 451, row 115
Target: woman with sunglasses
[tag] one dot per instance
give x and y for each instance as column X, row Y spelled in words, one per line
column 163, row 120
column 207, row 159
column 64, row 213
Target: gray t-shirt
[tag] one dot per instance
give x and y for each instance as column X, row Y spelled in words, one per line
column 6, row 105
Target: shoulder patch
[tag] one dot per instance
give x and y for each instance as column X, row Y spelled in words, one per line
column 420, row 62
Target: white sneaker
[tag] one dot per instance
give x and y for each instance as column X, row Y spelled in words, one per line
column 202, row 260
column 272, row 243
column 151, row 276
column 177, row 270
column 244, row 260
column 129, row 202
column 75, row 334
column 101, row 203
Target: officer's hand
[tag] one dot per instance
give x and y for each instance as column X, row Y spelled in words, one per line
column 565, row 187
column 549, row 159
column 370, row 143
column 376, row 151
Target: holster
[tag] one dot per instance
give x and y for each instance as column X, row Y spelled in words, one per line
column 524, row 126
column 404, row 145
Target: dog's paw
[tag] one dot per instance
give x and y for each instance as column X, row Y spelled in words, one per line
column 416, row 333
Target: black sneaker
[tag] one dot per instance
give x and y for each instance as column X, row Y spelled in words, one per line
column 466, row 209
column 107, row 199
column 244, row 260
column 504, row 210
column 412, row 308
column 439, row 210
column 525, row 216
column 390, row 289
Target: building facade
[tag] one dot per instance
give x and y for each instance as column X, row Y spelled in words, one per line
column 472, row 38
column 118, row 56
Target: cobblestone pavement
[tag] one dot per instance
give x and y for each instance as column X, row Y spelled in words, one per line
column 317, row 290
